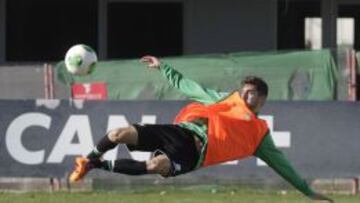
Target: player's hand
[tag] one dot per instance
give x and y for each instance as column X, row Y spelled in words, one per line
column 321, row 197
column 151, row 61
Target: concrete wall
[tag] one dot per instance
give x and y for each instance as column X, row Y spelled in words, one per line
column 21, row 82
column 229, row 26
column 27, row 82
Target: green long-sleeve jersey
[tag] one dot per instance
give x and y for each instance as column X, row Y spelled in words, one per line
column 266, row 151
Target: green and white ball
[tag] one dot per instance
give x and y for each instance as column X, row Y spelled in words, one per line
column 80, row 60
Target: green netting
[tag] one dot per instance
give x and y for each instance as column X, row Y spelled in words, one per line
column 295, row 75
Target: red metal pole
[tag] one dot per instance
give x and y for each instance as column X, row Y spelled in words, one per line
column 352, row 75
column 46, row 81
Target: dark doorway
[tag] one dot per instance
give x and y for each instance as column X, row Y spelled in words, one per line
column 43, row 30
column 139, row 28
column 291, row 21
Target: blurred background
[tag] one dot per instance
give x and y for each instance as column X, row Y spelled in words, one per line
column 307, row 50
column 38, row 32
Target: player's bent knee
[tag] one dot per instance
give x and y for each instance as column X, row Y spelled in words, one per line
column 115, row 135
column 159, row 165
column 126, row 135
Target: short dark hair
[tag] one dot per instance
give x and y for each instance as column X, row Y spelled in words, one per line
column 259, row 83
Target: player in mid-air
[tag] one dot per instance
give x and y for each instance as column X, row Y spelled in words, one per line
column 219, row 127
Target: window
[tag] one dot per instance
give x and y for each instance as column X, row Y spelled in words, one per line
column 345, row 33
column 43, row 30
column 139, row 28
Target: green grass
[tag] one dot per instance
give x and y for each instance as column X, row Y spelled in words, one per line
column 168, row 195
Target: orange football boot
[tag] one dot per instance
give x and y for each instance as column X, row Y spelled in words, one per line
column 82, row 167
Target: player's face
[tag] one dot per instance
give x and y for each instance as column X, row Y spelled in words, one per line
column 252, row 97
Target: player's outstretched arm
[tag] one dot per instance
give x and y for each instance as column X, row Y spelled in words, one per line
column 277, row 161
column 190, row 88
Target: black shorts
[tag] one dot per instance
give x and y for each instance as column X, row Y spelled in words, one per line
column 176, row 142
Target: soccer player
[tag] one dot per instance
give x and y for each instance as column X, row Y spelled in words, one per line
column 219, row 127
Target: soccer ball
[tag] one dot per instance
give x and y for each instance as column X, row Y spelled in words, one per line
column 80, row 60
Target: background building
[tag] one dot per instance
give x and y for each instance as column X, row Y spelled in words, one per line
column 40, row 30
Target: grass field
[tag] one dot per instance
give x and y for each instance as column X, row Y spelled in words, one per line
column 168, row 195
